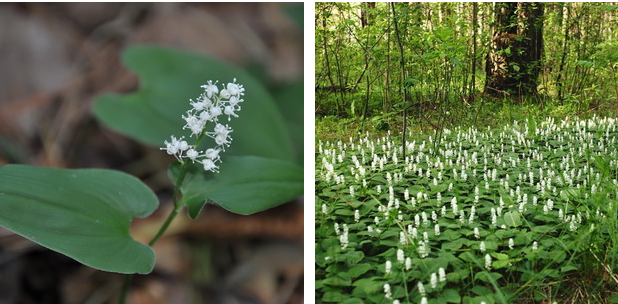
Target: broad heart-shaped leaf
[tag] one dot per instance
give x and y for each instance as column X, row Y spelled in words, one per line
column 512, row 219
column 244, row 185
column 83, row 214
column 169, row 78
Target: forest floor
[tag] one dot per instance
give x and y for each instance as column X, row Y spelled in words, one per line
column 345, row 148
column 482, row 114
column 54, row 59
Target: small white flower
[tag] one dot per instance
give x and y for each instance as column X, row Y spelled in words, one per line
column 400, row 256
column 424, row 300
column 225, row 94
column 211, row 89
column 230, row 111
column 343, row 238
column 408, row 263
column 396, row 302
column 476, row 232
column 173, row 147
column 441, row 274
column 324, row 209
column 387, row 291
column 192, row 154
column 221, row 135
column 488, row 262
column 434, row 280
column 421, row 289
column 422, row 250
column 387, row 267
column 209, row 165
column 402, row 238
column 193, row 123
column 356, row 215
column 482, row 246
column 212, row 154
column 511, row 243
column 235, row 89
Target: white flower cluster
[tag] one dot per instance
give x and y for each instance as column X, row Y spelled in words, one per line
column 209, row 106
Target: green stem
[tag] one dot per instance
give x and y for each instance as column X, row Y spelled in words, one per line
column 125, row 288
column 128, row 278
column 177, row 207
column 181, row 176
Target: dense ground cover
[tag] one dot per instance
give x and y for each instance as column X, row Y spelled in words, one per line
column 523, row 213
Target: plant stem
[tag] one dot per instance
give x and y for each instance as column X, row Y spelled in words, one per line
column 125, row 288
column 177, row 207
column 181, row 176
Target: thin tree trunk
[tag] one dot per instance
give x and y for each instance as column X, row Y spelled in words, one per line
column 564, row 50
column 401, row 55
column 403, row 74
column 475, row 7
column 327, row 63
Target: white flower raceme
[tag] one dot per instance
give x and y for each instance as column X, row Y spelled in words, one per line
column 421, row 289
column 207, row 108
column 434, row 280
column 400, row 256
column 442, row 274
column 387, row 291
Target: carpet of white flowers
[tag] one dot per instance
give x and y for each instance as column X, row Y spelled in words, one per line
column 476, row 216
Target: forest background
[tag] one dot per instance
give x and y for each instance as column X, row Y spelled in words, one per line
column 443, row 64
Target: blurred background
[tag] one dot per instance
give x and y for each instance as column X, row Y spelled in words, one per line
column 54, row 59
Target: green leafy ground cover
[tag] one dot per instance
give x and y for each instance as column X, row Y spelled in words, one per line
column 525, row 213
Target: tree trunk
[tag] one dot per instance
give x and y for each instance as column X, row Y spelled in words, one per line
column 514, row 59
column 475, row 8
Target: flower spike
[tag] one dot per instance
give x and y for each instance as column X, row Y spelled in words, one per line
column 211, row 104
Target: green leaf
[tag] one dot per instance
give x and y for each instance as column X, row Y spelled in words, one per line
column 568, row 268
column 369, row 285
column 290, row 98
column 354, row 257
column 83, row 214
column 512, row 219
column 352, row 301
column 244, row 185
column 296, row 12
column 333, row 296
column 451, row 295
column 360, row 269
column 487, row 277
column 169, row 78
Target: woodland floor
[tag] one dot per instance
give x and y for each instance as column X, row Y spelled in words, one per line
column 54, row 59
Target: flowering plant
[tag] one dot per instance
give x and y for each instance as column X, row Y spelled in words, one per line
column 86, row 213
column 209, row 106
